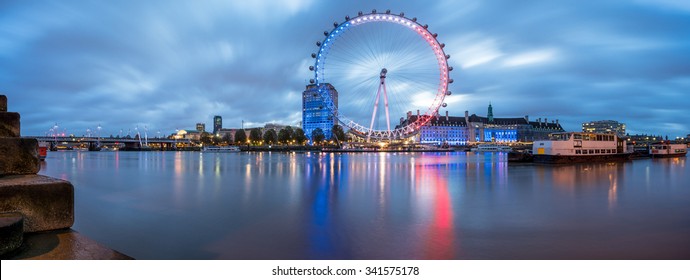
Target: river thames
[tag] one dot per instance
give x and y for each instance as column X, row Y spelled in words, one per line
column 457, row 205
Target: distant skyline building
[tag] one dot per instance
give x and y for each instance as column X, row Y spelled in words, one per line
column 217, row 124
column 188, row 134
column 201, row 127
column 604, row 126
column 314, row 112
column 471, row 129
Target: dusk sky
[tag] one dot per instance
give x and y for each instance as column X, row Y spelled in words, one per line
column 167, row 65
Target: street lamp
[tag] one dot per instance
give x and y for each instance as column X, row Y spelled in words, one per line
column 55, row 133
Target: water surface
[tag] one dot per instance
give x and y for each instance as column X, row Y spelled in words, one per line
column 192, row 205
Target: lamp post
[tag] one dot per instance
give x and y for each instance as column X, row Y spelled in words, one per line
column 98, row 136
column 55, row 133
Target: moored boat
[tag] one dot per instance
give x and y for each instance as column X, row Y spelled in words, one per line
column 42, row 150
column 665, row 149
column 491, row 148
column 222, row 149
column 520, row 156
column 574, row 147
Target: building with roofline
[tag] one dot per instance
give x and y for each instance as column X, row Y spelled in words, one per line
column 605, row 126
column 471, row 129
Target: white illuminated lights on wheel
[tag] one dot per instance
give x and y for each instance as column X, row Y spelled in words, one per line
column 432, row 42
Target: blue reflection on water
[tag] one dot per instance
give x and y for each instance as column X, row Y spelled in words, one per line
column 320, row 237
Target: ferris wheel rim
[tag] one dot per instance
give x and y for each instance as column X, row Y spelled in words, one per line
column 411, row 23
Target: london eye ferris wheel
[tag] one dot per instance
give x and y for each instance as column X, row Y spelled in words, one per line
column 384, row 67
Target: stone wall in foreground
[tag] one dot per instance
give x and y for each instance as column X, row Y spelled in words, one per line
column 28, row 202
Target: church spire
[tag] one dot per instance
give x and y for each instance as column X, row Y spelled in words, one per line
column 490, row 115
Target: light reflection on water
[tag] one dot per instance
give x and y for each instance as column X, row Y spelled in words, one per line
column 187, row 205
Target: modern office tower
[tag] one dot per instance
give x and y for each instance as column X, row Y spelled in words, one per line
column 217, row 124
column 605, row 126
column 315, row 114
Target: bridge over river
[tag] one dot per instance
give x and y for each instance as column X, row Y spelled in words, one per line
column 129, row 143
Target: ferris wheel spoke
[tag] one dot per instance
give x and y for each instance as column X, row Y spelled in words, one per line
column 352, row 59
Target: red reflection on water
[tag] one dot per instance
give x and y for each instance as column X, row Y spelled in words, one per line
column 440, row 235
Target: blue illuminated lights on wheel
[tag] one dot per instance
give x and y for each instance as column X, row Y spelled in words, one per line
column 439, row 86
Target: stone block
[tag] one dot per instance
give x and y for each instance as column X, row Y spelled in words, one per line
column 64, row 244
column 18, row 156
column 11, row 231
column 3, row 103
column 9, row 124
column 46, row 203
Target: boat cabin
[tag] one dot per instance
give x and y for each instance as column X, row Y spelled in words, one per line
column 580, row 143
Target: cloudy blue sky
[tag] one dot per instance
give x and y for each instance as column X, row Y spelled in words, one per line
column 170, row 64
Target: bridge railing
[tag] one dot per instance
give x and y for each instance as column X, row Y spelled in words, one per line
column 106, row 139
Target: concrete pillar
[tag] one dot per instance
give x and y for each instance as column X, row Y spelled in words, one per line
column 18, row 156
column 46, row 203
column 3, row 103
column 11, row 231
column 9, row 124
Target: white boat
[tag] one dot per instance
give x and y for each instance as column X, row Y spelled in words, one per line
column 222, row 149
column 666, row 149
column 572, row 147
column 491, row 148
